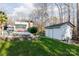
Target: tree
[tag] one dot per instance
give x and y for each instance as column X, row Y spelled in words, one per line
column 77, row 18
column 41, row 15
column 56, row 8
column 60, row 11
column 72, row 16
column 3, row 20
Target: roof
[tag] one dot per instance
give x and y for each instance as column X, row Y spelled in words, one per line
column 58, row 25
column 24, row 20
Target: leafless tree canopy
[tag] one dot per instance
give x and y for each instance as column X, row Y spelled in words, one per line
column 52, row 13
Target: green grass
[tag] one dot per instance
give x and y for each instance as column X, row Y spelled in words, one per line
column 41, row 47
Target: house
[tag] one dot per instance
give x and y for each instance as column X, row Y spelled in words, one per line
column 19, row 26
column 61, row 31
column 22, row 25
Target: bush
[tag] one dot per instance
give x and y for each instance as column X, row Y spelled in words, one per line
column 32, row 30
column 41, row 33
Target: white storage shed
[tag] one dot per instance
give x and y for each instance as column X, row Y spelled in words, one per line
column 61, row 31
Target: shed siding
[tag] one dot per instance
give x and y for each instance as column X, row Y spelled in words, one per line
column 62, row 33
column 57, row 33
column 48, row 33
column 68, row 33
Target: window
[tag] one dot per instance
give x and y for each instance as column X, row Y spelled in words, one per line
column 20, row 26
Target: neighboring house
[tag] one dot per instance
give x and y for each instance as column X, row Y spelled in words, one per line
column 22, row 26
column 61, row 31
column 17, row 26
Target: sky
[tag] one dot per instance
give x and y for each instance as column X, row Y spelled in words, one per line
column 22, row 10
column 17, row 9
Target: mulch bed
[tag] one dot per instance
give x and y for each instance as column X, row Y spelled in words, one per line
column 76, row 40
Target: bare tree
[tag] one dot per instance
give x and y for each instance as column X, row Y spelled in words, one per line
column 78, row 18
column 60, row 11
column 41, row 14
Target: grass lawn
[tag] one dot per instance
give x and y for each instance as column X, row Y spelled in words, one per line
column 42, row 47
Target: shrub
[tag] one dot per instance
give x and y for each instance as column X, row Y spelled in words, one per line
column 41, row 33
column 32, row 30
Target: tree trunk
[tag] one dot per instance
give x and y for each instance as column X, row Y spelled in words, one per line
column 2, row 28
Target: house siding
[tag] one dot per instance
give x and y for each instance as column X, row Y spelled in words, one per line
column 64, row 32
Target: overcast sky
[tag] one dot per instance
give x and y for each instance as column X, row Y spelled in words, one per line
column 13, row 9
column 16, row 10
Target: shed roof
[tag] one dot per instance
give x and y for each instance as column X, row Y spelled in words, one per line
column 58, row 25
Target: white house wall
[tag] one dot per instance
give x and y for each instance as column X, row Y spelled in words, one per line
column 31, row 24
column 53, row 33
column 21, row 23
column 57, row 34
column 27, row 25
column 48, row 33
column 60, row 33
column 68, row 33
